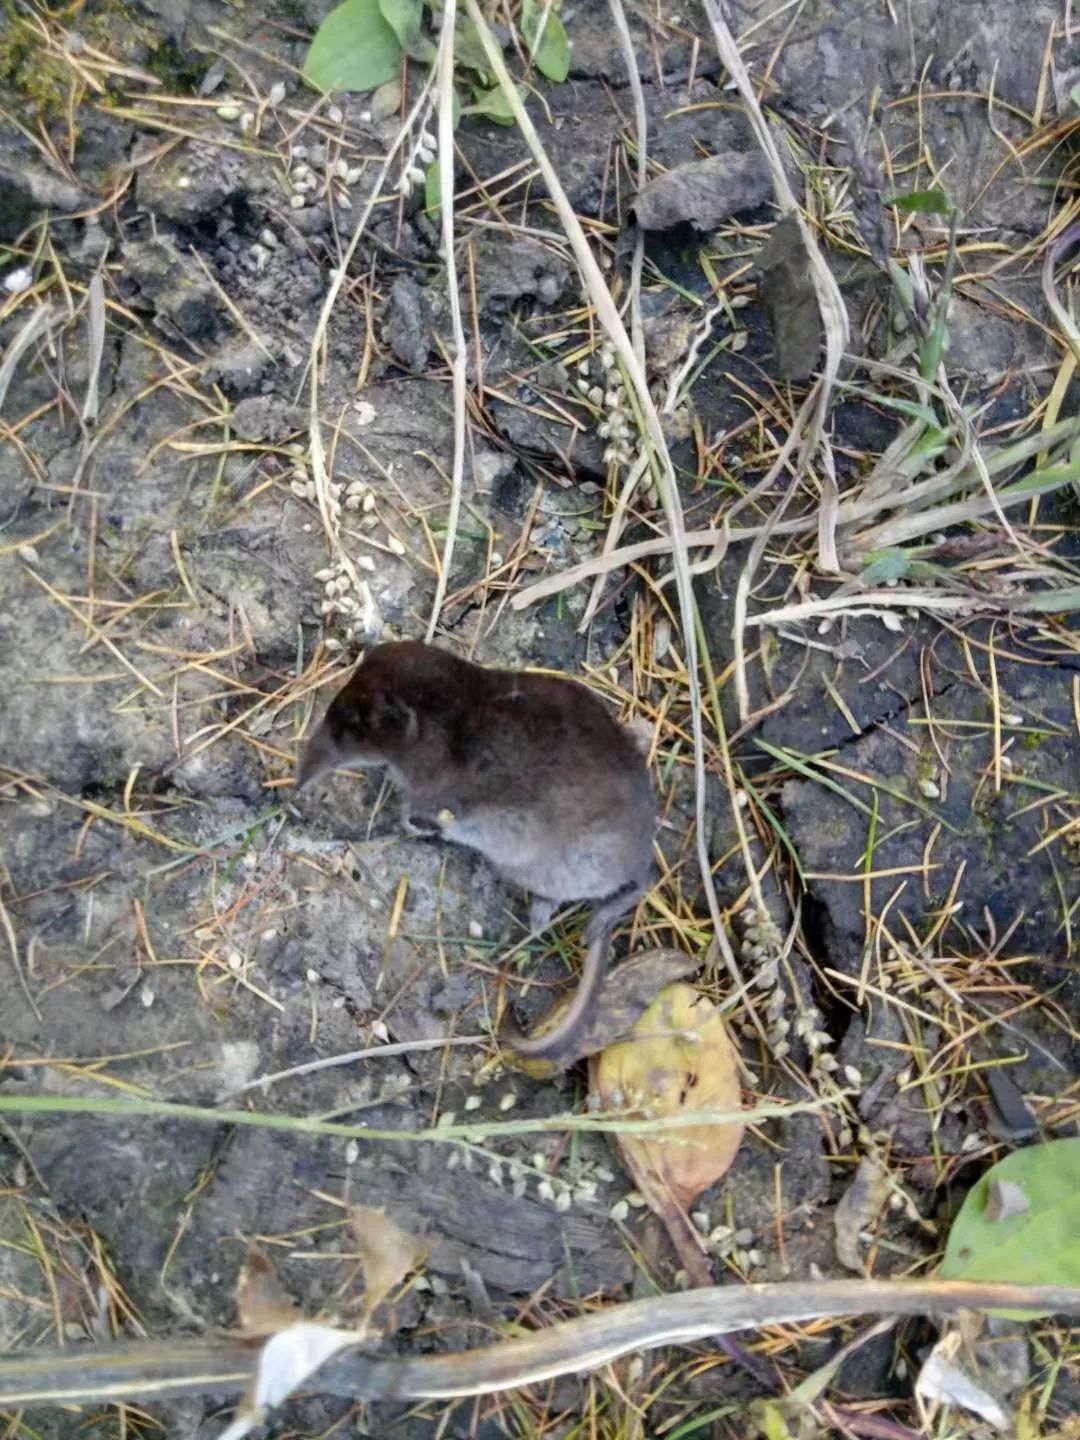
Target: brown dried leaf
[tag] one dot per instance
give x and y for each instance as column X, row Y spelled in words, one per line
column 704, row 192
column 678, row 1059
column 787, row 287
column 387, row 1254
column 627, row 990
column 858, row 1209
column 262, row 1305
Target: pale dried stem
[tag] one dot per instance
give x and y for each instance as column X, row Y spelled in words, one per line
column 446, row 201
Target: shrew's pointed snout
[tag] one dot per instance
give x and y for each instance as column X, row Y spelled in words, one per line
column 320, row 755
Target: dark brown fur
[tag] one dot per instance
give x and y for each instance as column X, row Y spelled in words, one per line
column 532, row 771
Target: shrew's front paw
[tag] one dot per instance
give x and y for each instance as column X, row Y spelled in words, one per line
column 422, row 823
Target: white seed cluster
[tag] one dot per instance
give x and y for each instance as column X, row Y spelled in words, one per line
column 762, row 946
column 233, row 112
column 578, row 1185
column 314, row 171
column 727, row 1243
column 348, row 605
column 600, row 382
column 413, row 175
column 342, row 604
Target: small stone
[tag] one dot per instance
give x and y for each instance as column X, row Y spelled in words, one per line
column 394, row 545
column 312, row 977
column 18, row 280
column 473, row 1102
column 352, row 1152
column 277, row 92
column 228, row 112
column 476, row 930
column 507, row 1101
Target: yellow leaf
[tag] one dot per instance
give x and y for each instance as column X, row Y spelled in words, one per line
column 677, row 1060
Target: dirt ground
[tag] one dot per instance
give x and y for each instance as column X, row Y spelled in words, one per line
column 176, row 925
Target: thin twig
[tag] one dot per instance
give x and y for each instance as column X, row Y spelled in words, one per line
column 446, row 202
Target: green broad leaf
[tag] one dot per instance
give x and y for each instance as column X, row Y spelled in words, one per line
column 468, row 47
column 923, row 202
column 353, row 49
column 1020, row 1223
column 493, row 105
column 550, row 49
column 405, row 18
